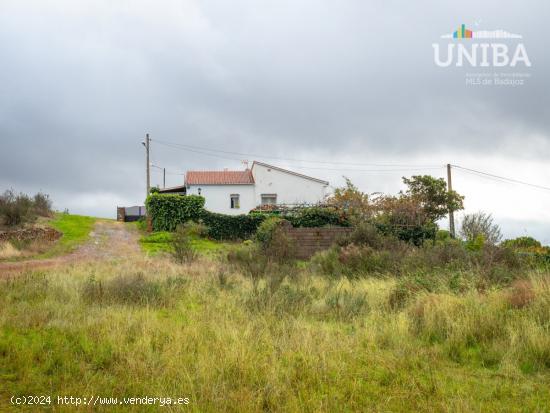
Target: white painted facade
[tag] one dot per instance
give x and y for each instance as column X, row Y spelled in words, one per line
column 218, row 197
column 271, row 185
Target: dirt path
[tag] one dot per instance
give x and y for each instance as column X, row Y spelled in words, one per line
column 108, row 240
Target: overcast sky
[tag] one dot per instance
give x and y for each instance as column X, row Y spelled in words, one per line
column 349, row 82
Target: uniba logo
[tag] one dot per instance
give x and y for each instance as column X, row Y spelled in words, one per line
column 463, row 48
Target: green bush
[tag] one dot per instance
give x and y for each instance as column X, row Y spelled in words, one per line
column 522, row 243
column 315, row 217
column 415, row 234
column 168, row 211
column 231, row 227
column 19, row 209
column 266, row 229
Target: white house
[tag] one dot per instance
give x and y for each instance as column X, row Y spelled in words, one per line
column 237, row 192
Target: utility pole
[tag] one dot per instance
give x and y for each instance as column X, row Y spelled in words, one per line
column 148, row 168
column 451, row 213
column 163, row 178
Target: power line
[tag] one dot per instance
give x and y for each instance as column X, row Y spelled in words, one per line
column 502, row 178
column 206, row 151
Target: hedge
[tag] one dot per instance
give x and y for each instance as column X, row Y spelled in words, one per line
column 227, row 227
column 315, row 217
column 311, row 217
column 167, row 211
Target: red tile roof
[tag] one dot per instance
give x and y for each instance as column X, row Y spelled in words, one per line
column 219, row 177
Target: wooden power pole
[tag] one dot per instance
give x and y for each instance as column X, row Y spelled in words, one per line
column 163, row 178
column 451, row 213
column 148, row 167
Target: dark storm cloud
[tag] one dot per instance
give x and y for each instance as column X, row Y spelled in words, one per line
column 83, row 81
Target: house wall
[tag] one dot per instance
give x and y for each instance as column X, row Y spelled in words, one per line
column 290, row 189
column 218, row 197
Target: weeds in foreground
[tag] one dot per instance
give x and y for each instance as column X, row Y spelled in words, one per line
column 151, row 326
column 132, row 289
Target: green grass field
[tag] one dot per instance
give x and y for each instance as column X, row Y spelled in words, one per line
column 159, row 242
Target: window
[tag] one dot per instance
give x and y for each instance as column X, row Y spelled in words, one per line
column 269, row 199
column 235, row 201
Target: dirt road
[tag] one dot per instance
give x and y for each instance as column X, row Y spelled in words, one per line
column 108, row 240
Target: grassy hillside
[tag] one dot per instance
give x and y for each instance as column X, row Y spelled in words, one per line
column 310, row 344
column 75, row 228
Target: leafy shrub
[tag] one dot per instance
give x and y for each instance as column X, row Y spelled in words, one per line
column 476, row 243
column 363, row 260
column 266, row 229
column 367, row 234
column 274, row 240
column 168, row 211
column 450, row 254
column 327, row 263
column 16, row 209
column 42, row 205
column 414, row 234
column 231, row 227
column 442, row 235
column 522, row 243
column 315, row 217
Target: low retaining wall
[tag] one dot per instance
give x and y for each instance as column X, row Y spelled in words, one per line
column 30, row 234
column 308, row 241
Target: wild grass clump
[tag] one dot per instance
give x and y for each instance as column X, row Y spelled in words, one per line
column 182, row 248
column 132, row 289
column 29, row 286
column 7, row 250
column 268, row 262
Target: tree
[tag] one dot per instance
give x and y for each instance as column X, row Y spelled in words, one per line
column 480, row 224
column 355, row 204
column 404, row 217
column 432, row 196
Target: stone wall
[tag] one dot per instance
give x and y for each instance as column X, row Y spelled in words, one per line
column 30, row 234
